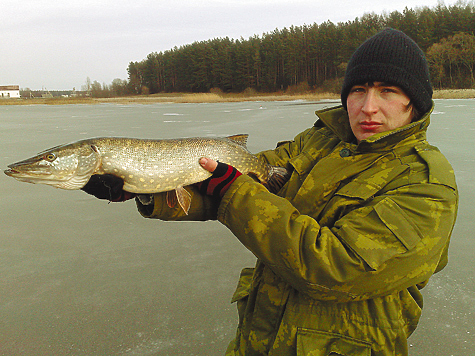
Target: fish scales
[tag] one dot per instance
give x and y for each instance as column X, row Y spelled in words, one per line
column 146, row 166
column 150, row 166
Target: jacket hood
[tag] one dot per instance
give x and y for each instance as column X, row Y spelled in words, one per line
column 336, row 119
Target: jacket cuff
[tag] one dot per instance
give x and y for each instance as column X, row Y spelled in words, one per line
column 154, row 210
column 202, row 207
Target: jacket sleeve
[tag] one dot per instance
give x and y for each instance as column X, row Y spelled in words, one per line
column 285, row 150
column 202, row 207
column 393, row 242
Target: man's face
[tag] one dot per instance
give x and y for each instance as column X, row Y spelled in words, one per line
column 377, row 107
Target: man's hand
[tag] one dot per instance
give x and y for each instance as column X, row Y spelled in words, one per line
column 223, row 176
column 108, row 187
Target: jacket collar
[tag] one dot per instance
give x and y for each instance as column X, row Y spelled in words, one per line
column 336, row 119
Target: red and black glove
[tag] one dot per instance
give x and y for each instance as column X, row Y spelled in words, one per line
column 218, row 184
column 108, row 187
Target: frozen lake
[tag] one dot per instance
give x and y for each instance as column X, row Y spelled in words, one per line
column 79, row 276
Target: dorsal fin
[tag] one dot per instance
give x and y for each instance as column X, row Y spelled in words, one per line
column 241, row 139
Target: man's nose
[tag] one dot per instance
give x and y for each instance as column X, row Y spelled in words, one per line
column 370, row 103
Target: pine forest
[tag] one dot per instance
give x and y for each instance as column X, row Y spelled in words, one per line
column 310, row 57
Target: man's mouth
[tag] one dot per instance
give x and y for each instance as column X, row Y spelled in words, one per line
column 370, row 125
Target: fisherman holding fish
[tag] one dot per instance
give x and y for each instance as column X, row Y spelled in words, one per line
column 344, row 247
column 361, row 225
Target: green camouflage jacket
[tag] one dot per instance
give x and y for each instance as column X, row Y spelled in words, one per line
column 342, row 257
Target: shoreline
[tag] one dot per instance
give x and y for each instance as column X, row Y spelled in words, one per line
column 212, row 98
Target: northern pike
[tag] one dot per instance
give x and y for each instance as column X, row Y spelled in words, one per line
column 146, row 166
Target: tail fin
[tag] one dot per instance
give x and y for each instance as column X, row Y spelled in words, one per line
column 278, row 176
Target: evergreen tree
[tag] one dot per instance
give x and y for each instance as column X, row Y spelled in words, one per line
column 309, row 56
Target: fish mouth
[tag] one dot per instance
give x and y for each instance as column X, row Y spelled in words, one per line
column 48, row 178
column 33, row 177
column 10, row 172
column 29, row 175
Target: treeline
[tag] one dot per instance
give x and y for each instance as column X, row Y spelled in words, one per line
column 309, row 56
column 118, row 87
column 452, row 61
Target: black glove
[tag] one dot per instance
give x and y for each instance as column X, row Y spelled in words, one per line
column 218, row 184
column 108, row 187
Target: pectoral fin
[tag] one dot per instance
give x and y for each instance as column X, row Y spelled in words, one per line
column 278, row 176
column 180, row 195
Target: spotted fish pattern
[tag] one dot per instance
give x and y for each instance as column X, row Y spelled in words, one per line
column 146, row 166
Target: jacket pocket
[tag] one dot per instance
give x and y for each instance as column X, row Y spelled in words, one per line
column 369, row 183
column 379, row 232
column 399, row 223
column 321, row 343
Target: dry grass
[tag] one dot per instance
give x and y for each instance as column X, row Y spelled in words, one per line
column 219, row 98
column 48, row 101
column 216, row 98
column 454, row 94
column 213, row 98
column 174, row 98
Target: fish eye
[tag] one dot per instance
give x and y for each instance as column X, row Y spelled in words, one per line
column 49, row 157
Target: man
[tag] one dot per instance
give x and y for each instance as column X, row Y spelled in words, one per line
column 363, row 222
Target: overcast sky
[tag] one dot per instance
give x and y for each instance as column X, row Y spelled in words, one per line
column 57, row 44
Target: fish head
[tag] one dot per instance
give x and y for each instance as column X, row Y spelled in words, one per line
column 68, row 166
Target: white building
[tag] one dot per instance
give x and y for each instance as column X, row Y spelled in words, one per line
column 9, row 91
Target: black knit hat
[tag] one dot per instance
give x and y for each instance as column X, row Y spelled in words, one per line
column 391, row 57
